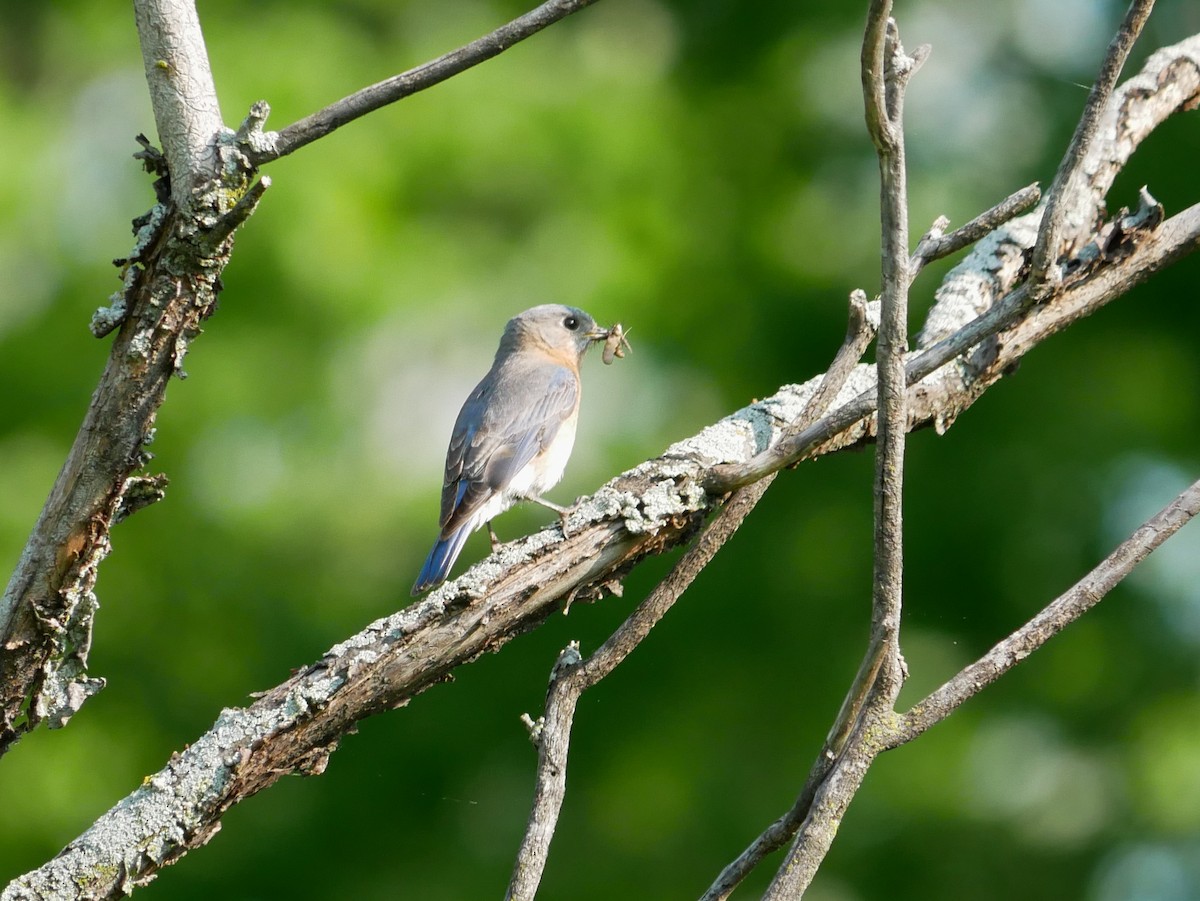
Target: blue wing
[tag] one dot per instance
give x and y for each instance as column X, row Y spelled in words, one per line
column 510, row 417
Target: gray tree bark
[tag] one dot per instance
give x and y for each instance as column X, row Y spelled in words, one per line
column 987, row 316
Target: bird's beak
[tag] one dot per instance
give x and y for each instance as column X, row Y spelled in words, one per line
column 598, row 334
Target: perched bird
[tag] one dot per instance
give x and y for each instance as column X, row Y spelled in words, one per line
column 516, row 430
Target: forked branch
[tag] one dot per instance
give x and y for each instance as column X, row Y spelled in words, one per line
column 573, row 675
column 886, row 69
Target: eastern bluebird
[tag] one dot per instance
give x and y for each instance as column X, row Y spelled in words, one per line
column 516, row 430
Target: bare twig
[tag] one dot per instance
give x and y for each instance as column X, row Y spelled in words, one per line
column 861, row 328
column 893, row 329
column 1043, row 277
column 552, row 735
column 886, row 69
column 1064, row 610
column 572, row 675
column 934, row 245
column 310, row 128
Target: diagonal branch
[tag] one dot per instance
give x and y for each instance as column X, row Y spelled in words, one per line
column 1056, row 616
column 936, row 245
column 1062, row 198
column 317, row 125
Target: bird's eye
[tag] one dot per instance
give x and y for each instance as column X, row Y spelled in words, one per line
column 571, row 323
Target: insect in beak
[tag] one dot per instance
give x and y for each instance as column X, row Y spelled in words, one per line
column 616, row 345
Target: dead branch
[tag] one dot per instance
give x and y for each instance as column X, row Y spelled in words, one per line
column 980, row 329
column 886, row 69
column 1050, row 621
column 317, row 125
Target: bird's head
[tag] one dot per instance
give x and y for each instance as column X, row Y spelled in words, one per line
column 565, row 332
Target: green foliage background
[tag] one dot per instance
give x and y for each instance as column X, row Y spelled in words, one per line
column 699, row 171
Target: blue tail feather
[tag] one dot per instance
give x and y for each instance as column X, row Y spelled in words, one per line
column 441, row 558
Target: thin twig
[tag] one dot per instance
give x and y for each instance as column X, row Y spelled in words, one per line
column 572, row 676
column 552, row 735
column 238, row 214
column 886, row 69
column 1060, row 613
column 893, row 336
column 1043, row 277
column 934, row 245
column 322, row 122
column 861, row 328
column 871, row 67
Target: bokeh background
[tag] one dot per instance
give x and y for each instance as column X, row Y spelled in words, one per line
column 699, row 171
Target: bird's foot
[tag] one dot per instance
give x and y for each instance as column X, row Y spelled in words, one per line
column 563, row 513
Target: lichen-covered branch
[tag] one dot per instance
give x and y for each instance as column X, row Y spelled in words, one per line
column 170, row 283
